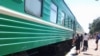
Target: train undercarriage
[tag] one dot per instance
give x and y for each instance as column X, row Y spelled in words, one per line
column 57, row 49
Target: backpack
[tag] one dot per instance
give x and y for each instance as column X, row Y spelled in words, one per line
column 98, row 36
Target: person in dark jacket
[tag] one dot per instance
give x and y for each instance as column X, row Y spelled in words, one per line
column 81, row 40
column 76, row 41
column 97, row 40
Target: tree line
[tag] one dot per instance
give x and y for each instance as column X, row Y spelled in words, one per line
column 95, row 26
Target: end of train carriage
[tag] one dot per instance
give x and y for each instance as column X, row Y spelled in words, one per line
column 36, row 27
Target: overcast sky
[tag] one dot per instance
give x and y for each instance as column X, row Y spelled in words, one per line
column 85, row 11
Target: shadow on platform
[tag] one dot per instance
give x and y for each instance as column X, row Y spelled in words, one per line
column 87, row 54
column 73, row 55
column 83, row 54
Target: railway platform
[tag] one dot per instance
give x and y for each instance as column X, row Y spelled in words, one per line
column 89, row 52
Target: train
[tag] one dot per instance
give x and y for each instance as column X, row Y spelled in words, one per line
column 36, row 28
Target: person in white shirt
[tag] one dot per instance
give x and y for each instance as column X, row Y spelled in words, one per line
column 85, row 40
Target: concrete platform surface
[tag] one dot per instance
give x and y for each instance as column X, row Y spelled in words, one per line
column 89, row 52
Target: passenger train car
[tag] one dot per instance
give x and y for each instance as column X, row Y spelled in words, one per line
column 36, row 27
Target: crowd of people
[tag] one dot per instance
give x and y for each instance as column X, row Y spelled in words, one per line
column 81, row 41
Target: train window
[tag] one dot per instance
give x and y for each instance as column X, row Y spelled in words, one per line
column 62, row 18
column 68, row 22
column 53, row 13
column 65, row 24
column 33, row 7
column 71, row 23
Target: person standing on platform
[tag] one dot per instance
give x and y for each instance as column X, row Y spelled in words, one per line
column 85, row 40
column 81, row 40
column 97, row 40
column 76, row 41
